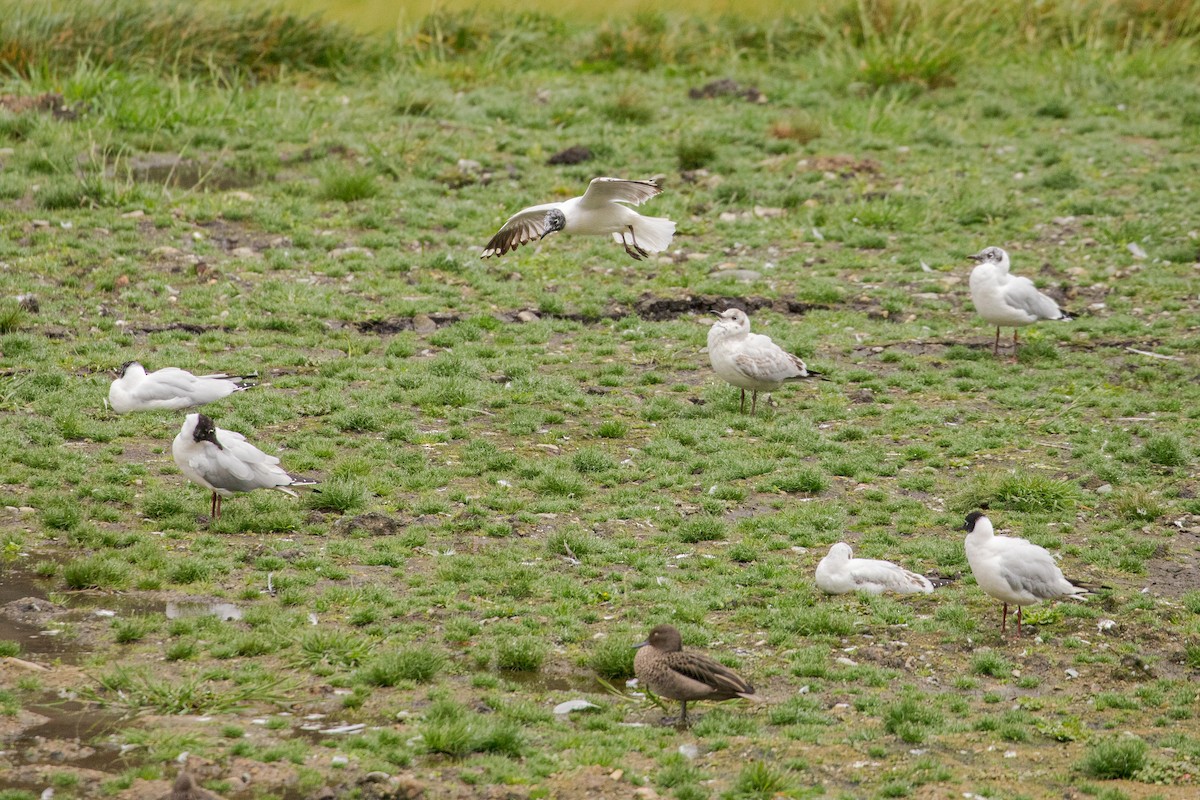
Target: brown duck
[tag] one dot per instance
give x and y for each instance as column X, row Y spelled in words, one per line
column 662, row 665
column 186, row 788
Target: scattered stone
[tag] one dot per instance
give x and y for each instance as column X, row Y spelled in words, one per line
column 527, row 316
column 135, row 214
column 373, row 523
column 576, row 154
column 51, row 102
column 689, row 751
column 346, row 252
column 573, row 705
column 1136, row 250
column 1105, row 488
column 245, row 197
column 245, row 252
column 727, row 87
column 767, row 212
column 863, row 396
column 740, row 275
column 166, row 252
column 423, row 323
column 40, row 223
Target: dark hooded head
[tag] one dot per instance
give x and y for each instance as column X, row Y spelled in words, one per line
column 972, row 518
column 125, row 368
column 206, row 431
column 555, row 221
column 991, row 255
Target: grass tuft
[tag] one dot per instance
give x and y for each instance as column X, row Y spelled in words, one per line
column 417, row 664
column 1115, row 758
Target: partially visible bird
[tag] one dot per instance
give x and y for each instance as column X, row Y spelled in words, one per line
column 840, row 573
column 662, row 665
column 750, row 360
column 169, row 388
column 224, row 462
column 599, row 211
column 186, row 788
column 1014, row 570
column 1007, row 301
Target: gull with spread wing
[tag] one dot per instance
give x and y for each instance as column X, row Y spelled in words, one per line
column 599, row 211
column 169, row 388
column 750, row 360
column 1007, row 301
column 224, row 462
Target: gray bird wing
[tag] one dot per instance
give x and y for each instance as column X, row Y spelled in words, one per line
column 602, row 191
column 527, row 225
column 1021, row 294
column 169, row 383
column 892, row 577
column 240, row 466
column 1026, row 567
column 761, row 359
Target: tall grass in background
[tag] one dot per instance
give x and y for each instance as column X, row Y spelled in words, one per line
column 895, row 41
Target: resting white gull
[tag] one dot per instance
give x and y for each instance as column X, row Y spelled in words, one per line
column 224, row 462
column 1007, row 301
column 169, row 388
column 841, row 573
column 1013, row 570
column 750, row 360
column 599, row 211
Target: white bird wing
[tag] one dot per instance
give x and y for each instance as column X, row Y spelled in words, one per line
column 761, row 359
column 888, row 576
column 527, row 225
column 602, row 191
column 242, row 467
column 1021, row 294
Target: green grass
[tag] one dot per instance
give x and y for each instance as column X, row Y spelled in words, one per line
column 1115, row 758
column 526, row 462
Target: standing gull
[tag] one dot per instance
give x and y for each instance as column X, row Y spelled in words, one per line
column 1007, row 301
column 169, row 388
column 840, row 573
column 598, row 211
column 1013, row 570
column 224, row 462
column 662, row 665
column 750, row 360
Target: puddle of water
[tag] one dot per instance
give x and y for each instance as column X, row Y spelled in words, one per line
column 226, row 612
column 71, row 736
column 540, row 682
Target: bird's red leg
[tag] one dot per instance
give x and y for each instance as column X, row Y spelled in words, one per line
column 212, row 512
column 996, row 346
column 1004, row 619
column 1018, row 622
column 754, row 403
column 742, row 408
column 1015, row 343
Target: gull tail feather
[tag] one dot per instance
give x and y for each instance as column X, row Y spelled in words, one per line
column 653, row 234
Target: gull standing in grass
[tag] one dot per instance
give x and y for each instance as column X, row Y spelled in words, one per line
column 840, row 573
column 1007, row 301
column 669, row 672
column 599, row 211
column 169, row 388
column 750, row 360
column 1013, row 570
column 224, row 462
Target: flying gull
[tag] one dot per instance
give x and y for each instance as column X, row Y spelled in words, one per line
column 599, row 211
